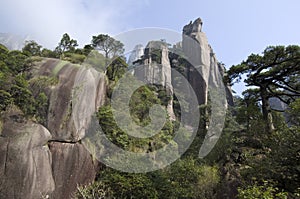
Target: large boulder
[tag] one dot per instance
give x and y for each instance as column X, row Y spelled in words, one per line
column 28, row 168
column 25, row 160
column 72, row 166
column 79, row 93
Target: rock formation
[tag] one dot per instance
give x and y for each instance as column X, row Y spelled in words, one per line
column 205, row 75
column 154, row 68
column 203, row 60
column 50, row 160
column 26, row 161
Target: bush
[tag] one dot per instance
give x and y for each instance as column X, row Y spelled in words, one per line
column 74, row 58
column 265, row 191
column 185, row 178
column 114, row 184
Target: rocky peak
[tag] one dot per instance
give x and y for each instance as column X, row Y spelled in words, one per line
column 193, row 27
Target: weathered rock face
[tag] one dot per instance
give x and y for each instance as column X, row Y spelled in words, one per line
column 72, row 164
column 136, row 54
column 228, row 90
column 202, row 58
column 155, row 68
column 25, row 159
column 78, row 94
column 49, row 160
column 29, row 169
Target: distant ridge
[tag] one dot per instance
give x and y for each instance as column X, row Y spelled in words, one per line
column 12, row 41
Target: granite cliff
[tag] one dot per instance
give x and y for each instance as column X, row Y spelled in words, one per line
column 48, row 159
column 39, row 160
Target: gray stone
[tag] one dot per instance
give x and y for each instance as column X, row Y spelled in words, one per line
column 157, row 70
column 25, row 160
column 72, row 166
column 28, row 168
column 202, row 58
column 78, row 95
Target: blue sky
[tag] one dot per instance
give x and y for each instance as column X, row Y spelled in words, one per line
column 235, row 28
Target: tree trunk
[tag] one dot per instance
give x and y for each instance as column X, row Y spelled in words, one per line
column 266, row 109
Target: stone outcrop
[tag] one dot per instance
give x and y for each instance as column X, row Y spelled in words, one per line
column 49, row 160
column 25, row 159
column 202, row 59
column 40, row 161
column 154, row 68
column 205, row 72
column 210, row 86
column 72, row 165
column 73, row 100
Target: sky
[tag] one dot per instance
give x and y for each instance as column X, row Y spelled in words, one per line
column 235, row 28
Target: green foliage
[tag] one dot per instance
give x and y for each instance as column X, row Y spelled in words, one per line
column 6, row 100
column 15, row 86
column 156, row 55
column 186, row 178
column 123, row 140
column 96, row 60
column 126, row 185
column 74, row 58
column 140, row 103
column 248, row 112
column 111, row 47
column 41, row 105
column 32, row 48
column 96, row 190
column 87, row 49
column 265, row 191
column 114, row 184
column 294, row 113
column 22, row 95
column 49, row 53
column 275, row 73
column 116, row 69
column 273, row 157
column 66, row 44
column 16, row 62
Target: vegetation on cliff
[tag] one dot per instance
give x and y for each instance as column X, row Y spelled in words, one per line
column 257, row 156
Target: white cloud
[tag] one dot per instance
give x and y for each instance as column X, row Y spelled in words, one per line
column 46, row 20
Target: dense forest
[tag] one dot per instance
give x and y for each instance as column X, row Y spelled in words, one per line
column 257, row 156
